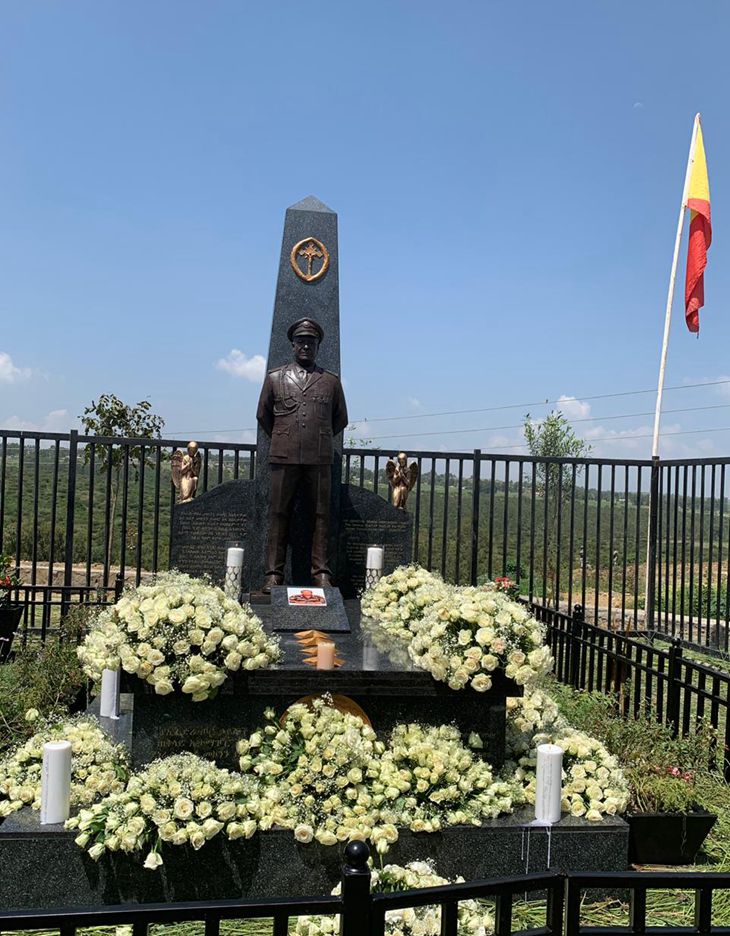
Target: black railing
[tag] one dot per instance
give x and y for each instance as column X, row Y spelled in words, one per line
column 704, row 885
column 362, row 913
column 638, row 543
column 647, row 680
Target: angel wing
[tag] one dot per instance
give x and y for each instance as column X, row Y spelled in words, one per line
column 390, row 469
column 196, row 463
column 412, row 475
column 176, row 462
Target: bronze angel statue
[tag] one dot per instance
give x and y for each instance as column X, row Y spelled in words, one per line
column 402, row 478
column 185, row 472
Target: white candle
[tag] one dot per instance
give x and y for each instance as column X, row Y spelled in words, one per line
column 234, row 556
column 374, row 560
column 56, row 782
column 234, row 571
column 549, row 788
column 325, row 655
column 110, row 687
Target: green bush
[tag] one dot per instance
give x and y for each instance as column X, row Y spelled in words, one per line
column 662, row 770
column 46, row 678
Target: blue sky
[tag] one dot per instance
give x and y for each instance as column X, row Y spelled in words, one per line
column 507, row 178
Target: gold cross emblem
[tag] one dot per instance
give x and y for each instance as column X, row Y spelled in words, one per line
column 309, row 259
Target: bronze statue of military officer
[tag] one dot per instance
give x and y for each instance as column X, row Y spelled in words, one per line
column 301, row 408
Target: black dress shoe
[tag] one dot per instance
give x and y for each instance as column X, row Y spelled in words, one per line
column 269, row 583
column 322, row 580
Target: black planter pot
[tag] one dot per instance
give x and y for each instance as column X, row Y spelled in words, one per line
column 667, row 838
column 10, row 616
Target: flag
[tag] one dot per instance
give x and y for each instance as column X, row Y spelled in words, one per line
column 700, row 234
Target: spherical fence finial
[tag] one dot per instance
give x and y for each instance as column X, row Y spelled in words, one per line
column 356, row 855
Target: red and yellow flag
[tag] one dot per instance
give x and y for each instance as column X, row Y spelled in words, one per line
column 700, row 235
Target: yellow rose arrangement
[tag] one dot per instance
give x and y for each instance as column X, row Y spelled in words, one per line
column 98, row 767
column 430, row 779
column 474, row 919
column 470, row 632
column 178, row 632
column 399, row 600
column 316, row 772
column 593, row 783
column 178, row 800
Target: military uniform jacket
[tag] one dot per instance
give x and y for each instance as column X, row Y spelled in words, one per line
column 302, row 417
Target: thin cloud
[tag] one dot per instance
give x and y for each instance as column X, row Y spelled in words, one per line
column 573, row 408
column 9, row 373
column 55, row 421
column 359, row 432
column 237, row 364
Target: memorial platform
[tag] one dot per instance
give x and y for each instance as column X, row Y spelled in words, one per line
column 380, row 678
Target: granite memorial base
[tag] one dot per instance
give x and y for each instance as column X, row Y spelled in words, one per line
column 42, row 867
column 383, row 681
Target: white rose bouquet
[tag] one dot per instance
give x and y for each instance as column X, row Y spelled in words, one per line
column 177, row 632
column 429, row 779
column 534, row 713
column 98, row 767
column 593, row 783
column 400, row 599
column 316, row 772
column 179, row 800
column 473, row 920
column 470, row 632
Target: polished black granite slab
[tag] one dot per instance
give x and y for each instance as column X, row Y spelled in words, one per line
column 329, row 617
column 43, row 868
column 380, row 678
column 118, row 729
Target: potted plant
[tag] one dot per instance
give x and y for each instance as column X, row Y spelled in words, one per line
column 10, row 614
column 665, row 774
column 666, row 823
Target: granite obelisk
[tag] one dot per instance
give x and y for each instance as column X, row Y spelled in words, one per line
column 307, row 285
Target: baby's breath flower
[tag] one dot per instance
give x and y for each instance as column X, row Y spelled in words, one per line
column 177, row 632
column 98, row 767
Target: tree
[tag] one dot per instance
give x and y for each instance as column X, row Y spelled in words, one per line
column 553, row 437
column 109, row 416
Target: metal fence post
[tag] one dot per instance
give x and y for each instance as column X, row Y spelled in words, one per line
column 73, row 449
column 476, row 485
column 356, row 903
column 118, row 586
column 651, row 549
column 674, row 685
column 576, row 636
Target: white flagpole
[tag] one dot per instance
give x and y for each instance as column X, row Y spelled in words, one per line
column 670, row 294
column 665, row 347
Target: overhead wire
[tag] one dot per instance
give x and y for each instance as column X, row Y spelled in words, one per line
column 491, row 409
column 581, row 419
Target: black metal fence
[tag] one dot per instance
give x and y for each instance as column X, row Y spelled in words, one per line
column 648, row 681
column 363, row 913
column 638, row 543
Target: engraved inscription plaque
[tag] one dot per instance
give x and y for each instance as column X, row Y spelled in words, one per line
column 366, row 519
column 202, row 528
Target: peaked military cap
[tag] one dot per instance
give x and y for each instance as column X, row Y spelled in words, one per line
column 305, row 326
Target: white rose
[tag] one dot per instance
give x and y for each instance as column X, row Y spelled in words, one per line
column 153, row 860
column 304, row 833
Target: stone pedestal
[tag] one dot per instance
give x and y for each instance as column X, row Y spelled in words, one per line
column 43, row 868
column 383, row 681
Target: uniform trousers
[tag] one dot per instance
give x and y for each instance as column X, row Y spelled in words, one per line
column 315, row 482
